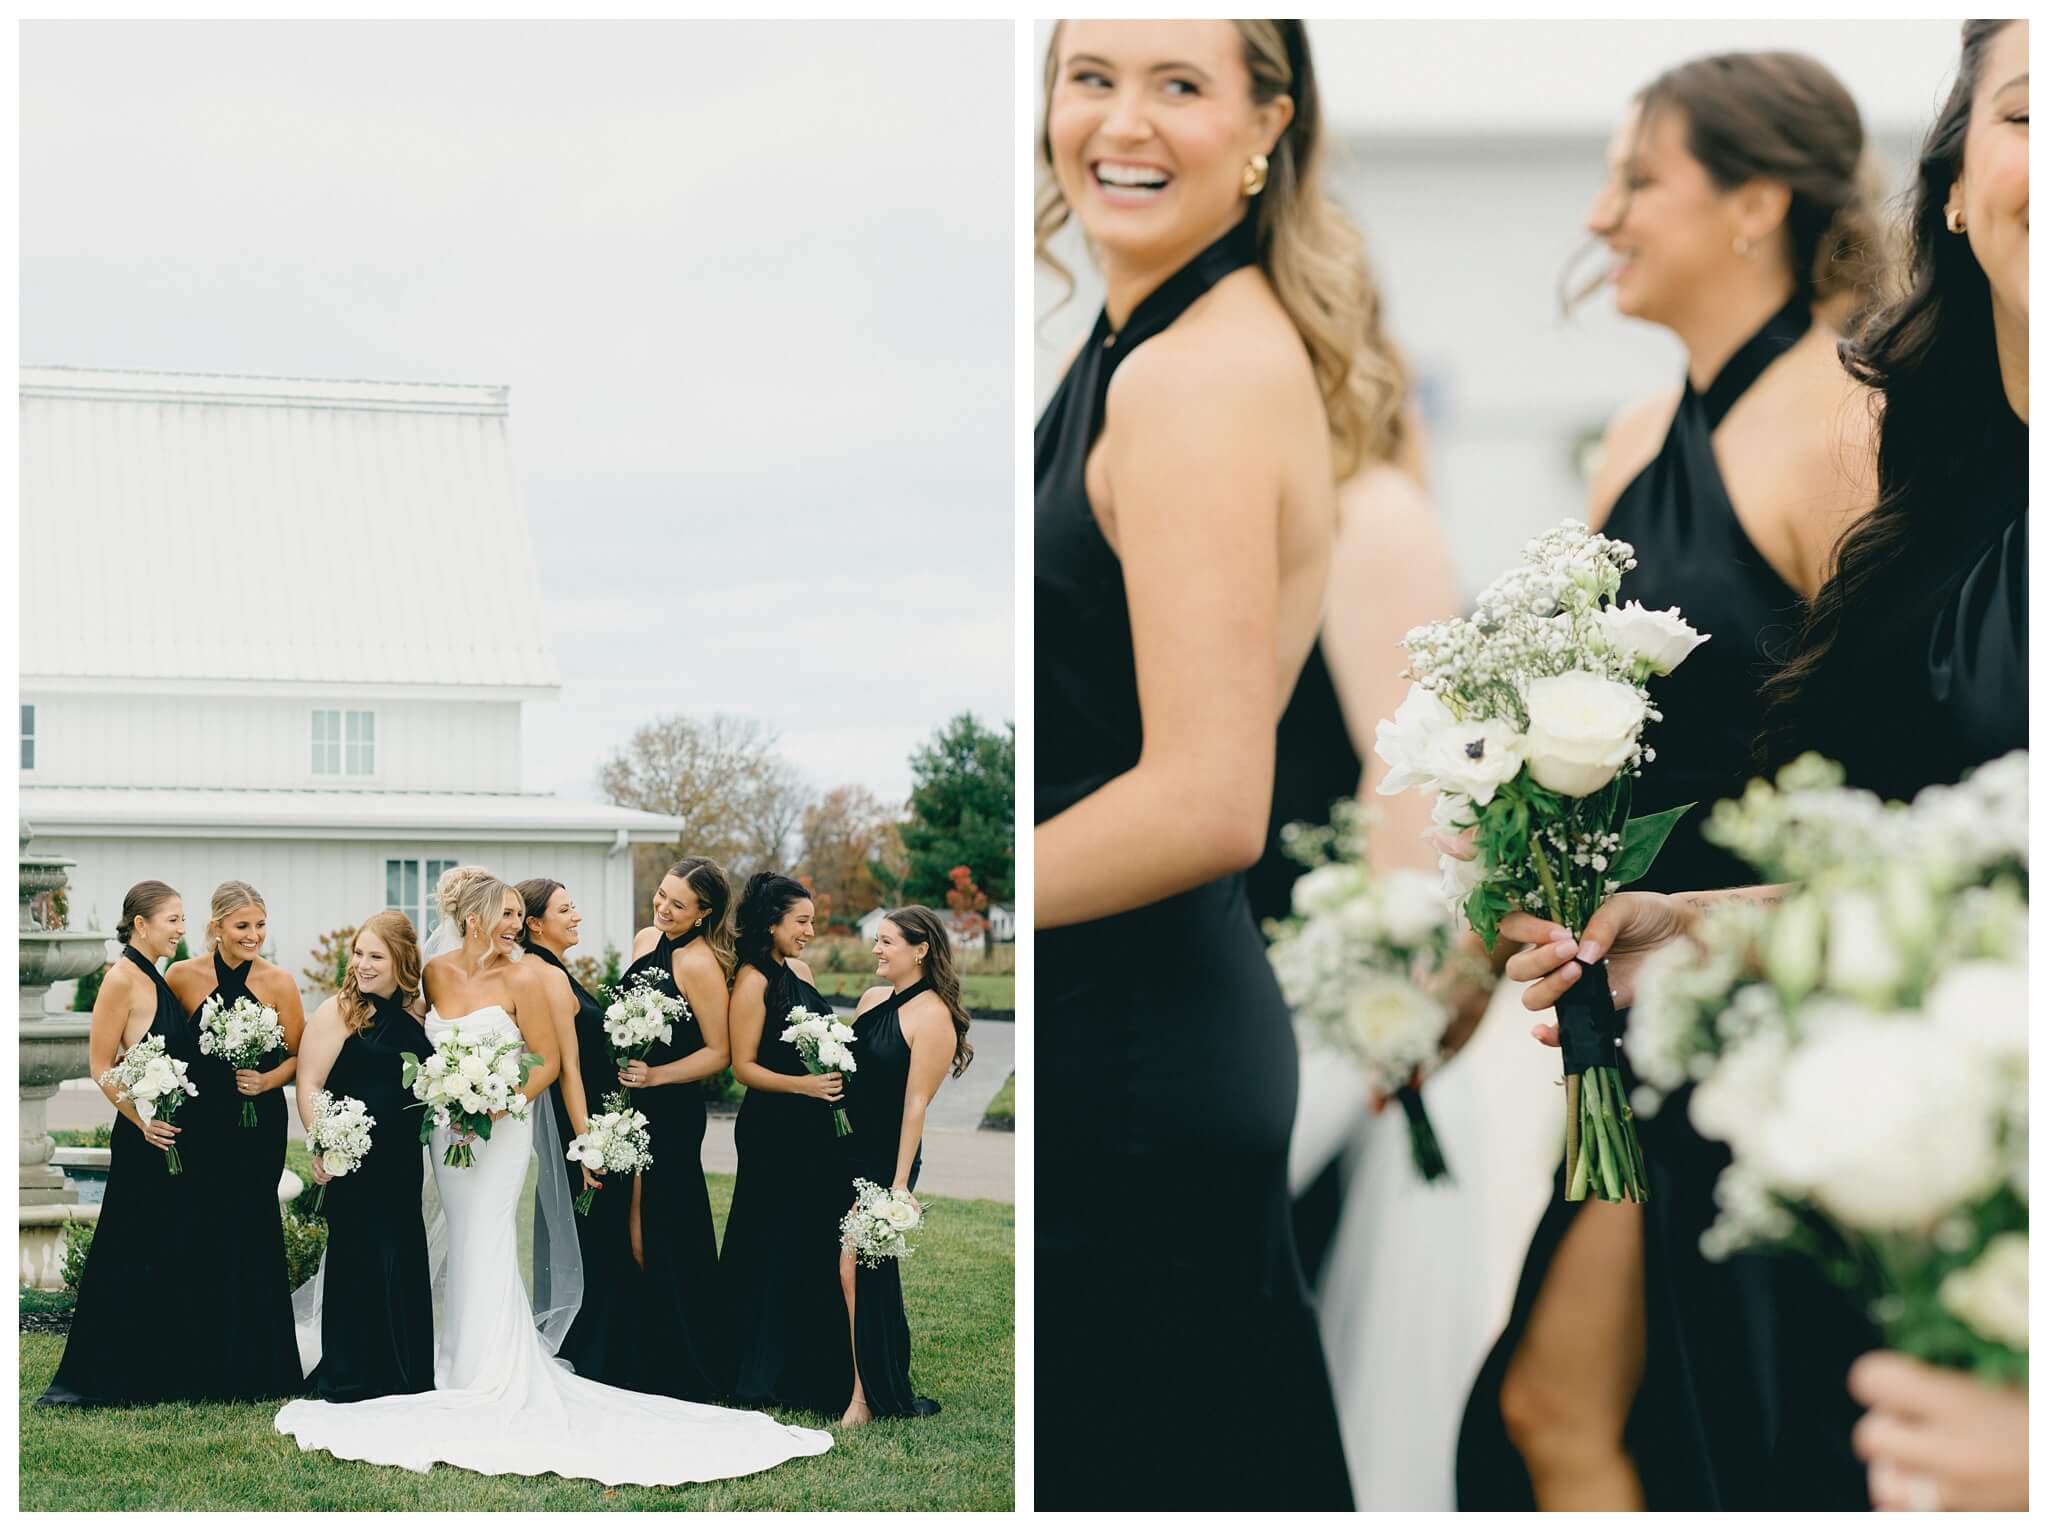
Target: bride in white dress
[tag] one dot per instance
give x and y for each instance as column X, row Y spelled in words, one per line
column 501, row 1402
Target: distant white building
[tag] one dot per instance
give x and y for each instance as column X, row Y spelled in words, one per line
column 281, row 630
column 1001, row 918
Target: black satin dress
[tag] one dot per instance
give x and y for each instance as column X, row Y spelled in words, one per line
column 376, row 1302
column 604, row 1343
column 141, row 1252
column 1168, row 1073
column 780, row 1260
column 236, row 1171
column 685, row 1334
column 1698, row 1433
column 874, row 1104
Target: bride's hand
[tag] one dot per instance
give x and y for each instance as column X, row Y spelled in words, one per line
column 320, row 1175
column 1623, row 930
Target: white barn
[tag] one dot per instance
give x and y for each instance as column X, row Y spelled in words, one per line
column 1002, row 922
column 282, row 630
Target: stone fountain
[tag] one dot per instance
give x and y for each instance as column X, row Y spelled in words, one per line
column 53, row 1049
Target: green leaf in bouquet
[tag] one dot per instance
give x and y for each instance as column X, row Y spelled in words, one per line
column 410, row 1071
column 1641, row 839
column 483, row 1128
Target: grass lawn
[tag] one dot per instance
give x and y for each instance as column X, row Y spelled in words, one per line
column 982, row 991
column 959, row 1290
column 1004, row 1107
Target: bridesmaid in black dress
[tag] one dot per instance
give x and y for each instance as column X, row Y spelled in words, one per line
column 779, row 1261
column 239, row 1167
column 143, row 1245
column 376, row 1305
column 683, row 1332
column 602, row 1343
column 1909, row 669
column 1627, row 1375
column 907, row 1033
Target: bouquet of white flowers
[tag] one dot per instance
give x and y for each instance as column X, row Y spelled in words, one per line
column 825, row 1044
column 1526, row 719
column 613, row 1142
column 1862, row 1050
column 875, row 1230
column 466, row 1078
column 241, row 1035
column 156, row 1082
column 340, row 1135
column 640, row 1015
column 1353, row 960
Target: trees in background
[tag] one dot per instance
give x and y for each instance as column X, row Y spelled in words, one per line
column 963, row 805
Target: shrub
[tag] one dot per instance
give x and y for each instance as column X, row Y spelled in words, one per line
column 88, row 990
column 101, row 1136
column 596, row 977
column 723, row 1086
column 77, row 1245
column 330, row 961
column 305, row 1240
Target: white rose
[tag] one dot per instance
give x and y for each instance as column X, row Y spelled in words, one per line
column 1582, row 729
column 1660, row 639
column 1888, row 1132
column 1792, row 948
column 473, row 1068
column 508, row 1068
column 1391, row 1022
column 1403, row 741
column 1326, row 889
column 1991, row 1294
column 1983, row 1004
column 1862, row 958
column 1474, row 759
column 437, row 1065
column 841, row 1032
column 899, row 1214
column 1411, row 906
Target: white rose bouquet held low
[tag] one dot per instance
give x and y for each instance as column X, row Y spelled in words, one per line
column 825, row 1043
column 1354, row 963
column 340, row 1135
column 880, row 1223
column 1862, row 1050
column 241, row 1035
column 467, row 1077
column 638, row 1016
column 612, row 1143
column 1526, row 720
column 156, row 1082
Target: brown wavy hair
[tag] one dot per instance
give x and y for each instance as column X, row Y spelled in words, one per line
column 920, row 926
column 402, row 941
column 141, row 903
column 708, row 880
column 1311, row 254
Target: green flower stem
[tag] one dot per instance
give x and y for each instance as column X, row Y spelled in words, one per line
column 1558, row 912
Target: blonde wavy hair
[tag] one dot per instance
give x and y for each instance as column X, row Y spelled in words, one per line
column 396, row 932
column 227, row 898
column 1311, row 254
column 466, row 893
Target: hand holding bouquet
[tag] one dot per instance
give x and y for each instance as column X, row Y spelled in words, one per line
column 467, row 1077
column 638, row 1016
column 825, row 1044
column 241, row 1035
column 340, row 1135
column 1352, row 961
column 156, row 1082
column 1526, row 721
column 614, row 1142
column 877, row 1227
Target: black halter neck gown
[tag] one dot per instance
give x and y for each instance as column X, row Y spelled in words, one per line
column 1177, row 1356
column 685, row 1333
column 142, row 1249
column 780, row 1259
column 376, row 1305
column 1699, row 1431
column 874, row 1103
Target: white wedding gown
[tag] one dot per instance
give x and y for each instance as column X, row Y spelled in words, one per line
column 1419, row 1277
column 501, row 1402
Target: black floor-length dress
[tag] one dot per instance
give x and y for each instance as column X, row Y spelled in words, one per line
column 1696, row 1433
column 685, row 1332
column 874, row 1104
column 1178, row 1362
column 141, row 1249
column 376, row 1301
column 604, row 1342
column 780, row 1260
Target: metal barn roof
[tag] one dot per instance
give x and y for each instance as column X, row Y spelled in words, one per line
column 200, row 527
column 282, row 815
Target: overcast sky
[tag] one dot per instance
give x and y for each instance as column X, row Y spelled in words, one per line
column 750, row 284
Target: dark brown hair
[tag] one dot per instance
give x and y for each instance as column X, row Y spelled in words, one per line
column 142, row 903
column 534, row 893
column 921, row 927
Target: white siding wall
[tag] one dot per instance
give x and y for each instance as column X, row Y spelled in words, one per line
column 313, row 886
column 95, row 740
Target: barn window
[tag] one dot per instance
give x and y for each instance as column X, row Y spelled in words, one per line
column 409, row 885
column 344, row 743
column 28, row 736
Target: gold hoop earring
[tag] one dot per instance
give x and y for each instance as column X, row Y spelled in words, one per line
column 1255, row 175
column 1955, row 220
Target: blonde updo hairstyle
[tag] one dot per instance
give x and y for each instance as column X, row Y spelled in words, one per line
column 471, row 893
column 1312, row 255
column 396, row 932
column 227, row 898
